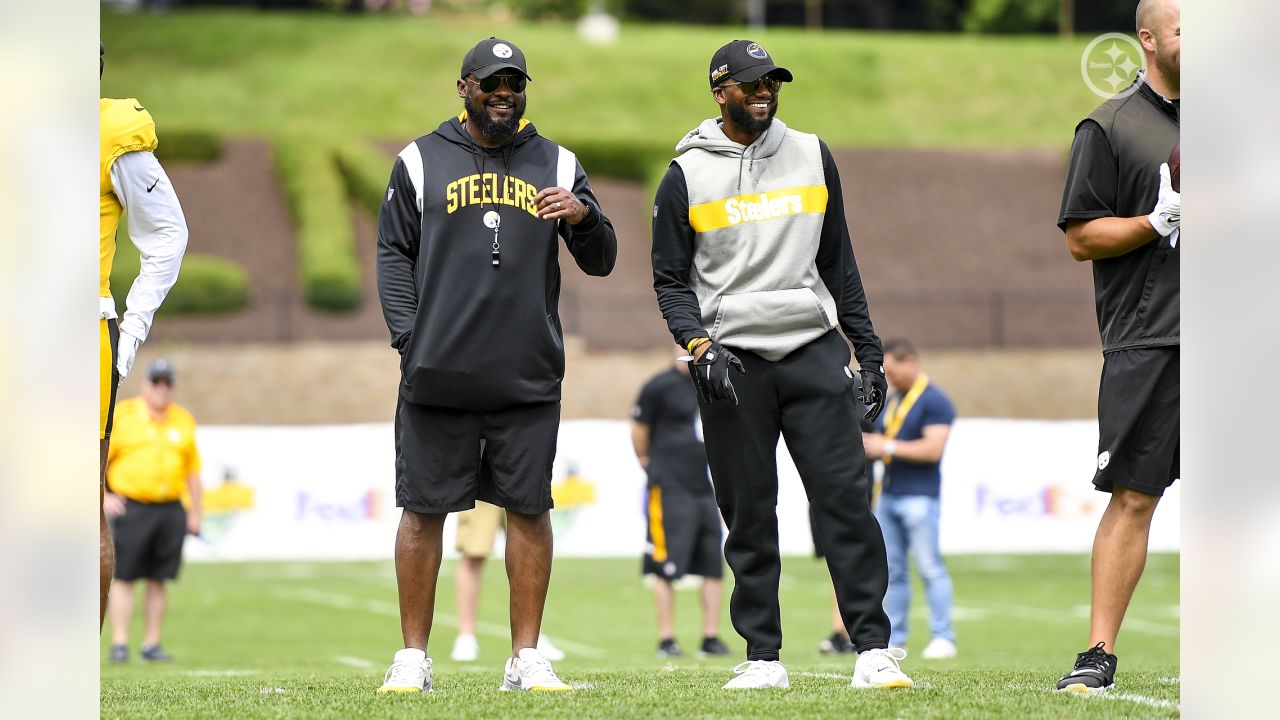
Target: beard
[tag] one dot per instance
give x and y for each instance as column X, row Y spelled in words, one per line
column 742, row 118
column 1170, row 67
column 490, row 128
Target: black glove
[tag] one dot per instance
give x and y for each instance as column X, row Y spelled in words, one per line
column 874, row 388
column 711, row 374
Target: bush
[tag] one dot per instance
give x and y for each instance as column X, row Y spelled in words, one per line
column 313, row 186
column 1012, row 16
column 621, row 159
column 207, row 285
column 195, row 146
column 366, row 171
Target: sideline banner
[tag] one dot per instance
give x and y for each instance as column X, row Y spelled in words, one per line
column 328, row 492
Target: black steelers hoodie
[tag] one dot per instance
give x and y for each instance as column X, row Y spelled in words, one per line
column 473, row 334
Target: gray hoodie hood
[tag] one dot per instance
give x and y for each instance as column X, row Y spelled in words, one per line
column 710, row 136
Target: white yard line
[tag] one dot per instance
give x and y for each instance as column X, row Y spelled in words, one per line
column 1139, row 699
column 824, row 675
column 381, row 607
column 355, row 662
column 1027, row 612
column 219, row 673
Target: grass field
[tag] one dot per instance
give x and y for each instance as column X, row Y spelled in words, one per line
column 344, row 77
column 276, row 640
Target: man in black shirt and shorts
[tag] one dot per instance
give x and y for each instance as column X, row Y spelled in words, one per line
column 684, row 536
column 1121, row 211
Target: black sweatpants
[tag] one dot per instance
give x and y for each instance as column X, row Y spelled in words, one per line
column 811, row 399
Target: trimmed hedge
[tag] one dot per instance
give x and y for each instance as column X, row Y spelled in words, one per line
column 187, row 145
column 317, row 197
column 622, row 159
column 207, row 285
column 366, row 171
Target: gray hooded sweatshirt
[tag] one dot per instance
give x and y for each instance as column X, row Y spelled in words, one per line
column 750, row 247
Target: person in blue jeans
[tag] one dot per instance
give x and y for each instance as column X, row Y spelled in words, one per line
column 913, row 434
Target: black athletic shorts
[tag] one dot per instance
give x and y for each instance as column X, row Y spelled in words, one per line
column 684, row 536
column 447, row 459
column 1138, row 419
column 148, row 539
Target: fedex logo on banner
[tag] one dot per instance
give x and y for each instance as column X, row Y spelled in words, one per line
column 358, row 509
column 1048, row 501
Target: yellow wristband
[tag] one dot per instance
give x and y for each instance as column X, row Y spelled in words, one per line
column 696, row 342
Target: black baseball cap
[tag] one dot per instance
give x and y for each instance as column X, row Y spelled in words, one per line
column 744, row 60
column 161, row 370
column 490, row 56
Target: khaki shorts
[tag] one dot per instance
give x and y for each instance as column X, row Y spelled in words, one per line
column 478, row 529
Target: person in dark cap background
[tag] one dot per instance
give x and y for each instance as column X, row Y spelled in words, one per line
column 469, row 279
column 754, row 271
column 152, row 467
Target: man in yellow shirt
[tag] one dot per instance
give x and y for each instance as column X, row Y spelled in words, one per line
column 130, row 180
column 152, row 464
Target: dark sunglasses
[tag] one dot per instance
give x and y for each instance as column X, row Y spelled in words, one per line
column 490, row 84
column 750, row 88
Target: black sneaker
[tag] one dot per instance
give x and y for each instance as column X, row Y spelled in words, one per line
column 119, row 654
column 1095, row 671
column 837, row 644
column 154, row 653
column 669, row 649
column 713, row 646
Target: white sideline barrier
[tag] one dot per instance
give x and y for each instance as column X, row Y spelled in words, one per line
column 327, row 492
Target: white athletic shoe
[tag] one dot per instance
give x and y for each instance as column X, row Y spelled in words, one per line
column 548, row 650
column 939, row 649
column 758, row 674
column 410, row 671
column 879, row 669
column 531, row 671
column 465, row 649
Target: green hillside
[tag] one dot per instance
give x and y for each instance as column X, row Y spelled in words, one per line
column 279, row 74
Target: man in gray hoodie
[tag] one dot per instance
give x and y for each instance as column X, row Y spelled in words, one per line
column 754, row 271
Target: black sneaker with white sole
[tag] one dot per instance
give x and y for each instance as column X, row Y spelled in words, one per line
column 837, row 644
column 154, row 653
column 713, row 646
column 1095, row 671
column 669, row 648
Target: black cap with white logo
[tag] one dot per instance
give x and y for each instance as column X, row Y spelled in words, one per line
column 744, row 60
column 490, row 56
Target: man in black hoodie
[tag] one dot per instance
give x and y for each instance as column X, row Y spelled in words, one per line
column 469, row 282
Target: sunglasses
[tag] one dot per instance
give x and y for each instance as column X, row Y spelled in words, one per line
column 490, row 84
column 750, row 88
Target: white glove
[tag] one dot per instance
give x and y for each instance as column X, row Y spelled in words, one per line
column 126, row 351
column 1167, row 216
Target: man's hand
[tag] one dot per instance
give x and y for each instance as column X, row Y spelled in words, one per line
column 874, row 388
column 193, row 523
column 556, row 203
column 126, row 351
column 1167, row 216
column 112, row 505
column 710, row 372
column 873, row 443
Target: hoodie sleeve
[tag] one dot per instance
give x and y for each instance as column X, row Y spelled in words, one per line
column 673, row 258
column 399, row 235
column 592, row 242
column 839, row 271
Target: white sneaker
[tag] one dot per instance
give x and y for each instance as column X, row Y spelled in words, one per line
column 531, row 671
column 465, row 649
column 939, row 649
column 879, row 669
column 410, row 671
column 758, row 674
column 549, row 650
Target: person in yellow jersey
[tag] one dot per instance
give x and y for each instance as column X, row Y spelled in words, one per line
column 152, row 465
column 129, row 179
